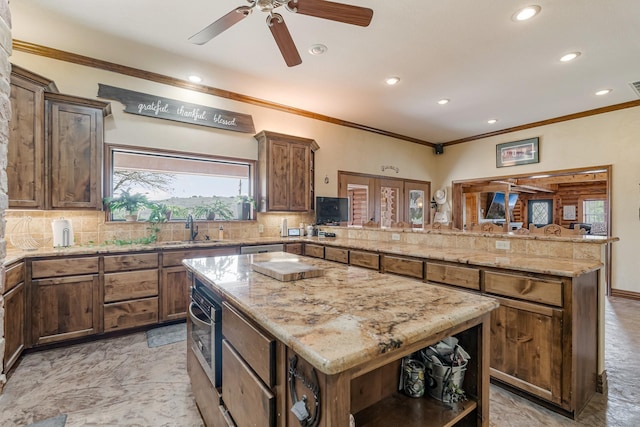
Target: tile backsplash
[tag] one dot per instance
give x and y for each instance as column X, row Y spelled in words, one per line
column 91, row 227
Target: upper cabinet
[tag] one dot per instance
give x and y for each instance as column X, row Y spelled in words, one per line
column 55, row 146
column 26, row 152
column 75, row 138
column 285, row 172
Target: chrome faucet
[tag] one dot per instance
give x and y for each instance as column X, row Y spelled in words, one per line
column 193, row 229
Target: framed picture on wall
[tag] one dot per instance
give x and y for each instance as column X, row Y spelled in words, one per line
column 517, row 153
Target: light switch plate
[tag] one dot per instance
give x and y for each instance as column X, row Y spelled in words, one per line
column 260, row 228
column 395, row 236
column 503, row 244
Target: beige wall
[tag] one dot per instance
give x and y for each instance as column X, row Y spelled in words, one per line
column 605, row 139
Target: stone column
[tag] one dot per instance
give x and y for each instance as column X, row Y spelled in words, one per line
column 5, row 116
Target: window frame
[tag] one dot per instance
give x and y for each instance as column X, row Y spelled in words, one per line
column 108, row 168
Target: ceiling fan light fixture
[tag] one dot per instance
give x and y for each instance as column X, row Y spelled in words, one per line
column 391, row 81
column 317, row 49
column 604, row 92
column 443, row 101
column 526, row 13
column 570, row 56
column 492, row 121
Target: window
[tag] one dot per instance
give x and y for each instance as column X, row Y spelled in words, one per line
column 540, row 212
column 594, row 212
column 180, row 183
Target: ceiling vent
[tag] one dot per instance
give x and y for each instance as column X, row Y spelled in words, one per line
column 636, row 87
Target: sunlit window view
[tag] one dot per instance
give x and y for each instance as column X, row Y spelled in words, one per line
column 156, row 186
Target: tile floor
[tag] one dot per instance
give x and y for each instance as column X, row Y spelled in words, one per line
column 122, row 382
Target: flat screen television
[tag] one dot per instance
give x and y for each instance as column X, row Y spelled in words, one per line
column 332, row 210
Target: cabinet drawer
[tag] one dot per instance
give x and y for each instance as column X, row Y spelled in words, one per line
column 316, row 251
column 258, row 349
column 403, row 266
column 249, row 401
column 293, row 248
column 546, row 291
column 63, row 267
column 134, row 261
column 336, row 254
column 129, row 314
column 130, row 285
column 364, row 259
column 452, row 275
column 170, row 258
column 13, row 276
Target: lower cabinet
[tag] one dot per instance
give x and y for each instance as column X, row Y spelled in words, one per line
column 174, row 284
column 248, row 370
column 130, row 290
column 64, row 308
column 293, row 248
column 14, row 317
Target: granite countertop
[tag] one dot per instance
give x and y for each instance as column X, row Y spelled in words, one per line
column 345, row 318
column 566, row 267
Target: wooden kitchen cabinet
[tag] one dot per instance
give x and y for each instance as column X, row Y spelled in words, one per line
column 26, row 152
column 14, row 314
column 285, row 172
column 131, row 289
column 544, row 336
column 293, row 248
column 54, row 157
column 74, row 129
column 248, row 370
column 174, row 284
column 404, row 266
column 313, row 250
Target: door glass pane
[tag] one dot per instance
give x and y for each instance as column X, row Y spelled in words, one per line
column 358, row 203
column 389, row 197
column 416, row 208
column 540, row 212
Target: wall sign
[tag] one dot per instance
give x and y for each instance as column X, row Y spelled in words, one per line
column 517, row 153
column 171, row 109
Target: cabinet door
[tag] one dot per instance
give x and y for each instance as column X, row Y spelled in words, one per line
column 14, row 327
column 299, row 186
column 174, row 293
column 65, row 308
column 75, row 134
column 279, row 179
column 526, row 347
column 25, row 153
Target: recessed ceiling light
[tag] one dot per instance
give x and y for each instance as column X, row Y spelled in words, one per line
column 392, row 80
column 526, row 13
column 195, row 79
column 443, row 101
column 570, row 56
column 492, row 121
column 603, row 92
column 317, row 49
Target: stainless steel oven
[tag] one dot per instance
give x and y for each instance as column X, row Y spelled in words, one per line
column 205, row 331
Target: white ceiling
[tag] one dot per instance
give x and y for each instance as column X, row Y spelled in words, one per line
column 468, row 51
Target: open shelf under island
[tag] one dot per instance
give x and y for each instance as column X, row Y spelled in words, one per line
column 334, row 344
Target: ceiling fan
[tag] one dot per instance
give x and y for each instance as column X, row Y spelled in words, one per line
column 345, row 13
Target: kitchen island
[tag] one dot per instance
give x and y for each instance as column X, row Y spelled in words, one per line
column 338, row 340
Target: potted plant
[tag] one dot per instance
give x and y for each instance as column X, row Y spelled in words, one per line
column 245, row 203
column 215, row 209
column 129, row 203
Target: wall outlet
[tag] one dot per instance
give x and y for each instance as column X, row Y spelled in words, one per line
column 395, row 236
column 260, row 228
column 503, row 244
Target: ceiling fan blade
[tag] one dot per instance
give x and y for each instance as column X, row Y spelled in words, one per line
column 346, row 13
column 222, row 24
column 283, row 40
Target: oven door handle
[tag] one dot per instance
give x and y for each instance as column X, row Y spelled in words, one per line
column 195, row 319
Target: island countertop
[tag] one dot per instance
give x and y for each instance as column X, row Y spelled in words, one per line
column 346, row 317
